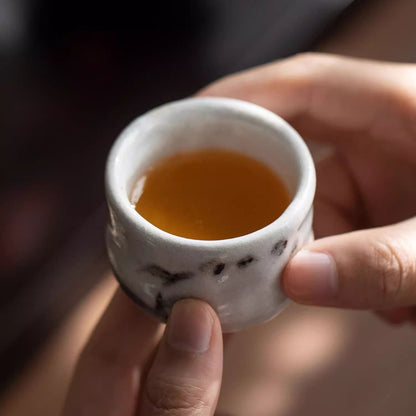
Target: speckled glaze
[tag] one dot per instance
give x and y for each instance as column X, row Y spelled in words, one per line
column 239, row 277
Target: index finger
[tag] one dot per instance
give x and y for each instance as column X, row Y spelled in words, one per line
column 111, row 368
column 316, row 91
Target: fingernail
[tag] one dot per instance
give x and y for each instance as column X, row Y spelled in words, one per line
column 311, row 277
column 189, row 327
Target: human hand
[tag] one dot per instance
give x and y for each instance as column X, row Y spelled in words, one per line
column 366, row 111
column 132, row 367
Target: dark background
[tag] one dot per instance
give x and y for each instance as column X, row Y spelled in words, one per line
column 72, row 75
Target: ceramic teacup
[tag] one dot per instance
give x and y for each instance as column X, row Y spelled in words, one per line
column 239, row 277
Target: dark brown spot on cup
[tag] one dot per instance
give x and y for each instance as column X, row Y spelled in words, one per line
column 245, row 261
column 279, row 247
column 167, row 277
column 218, row 268
column 160, row 306
column 294, row 248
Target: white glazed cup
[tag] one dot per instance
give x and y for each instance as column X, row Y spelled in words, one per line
column 239, row 277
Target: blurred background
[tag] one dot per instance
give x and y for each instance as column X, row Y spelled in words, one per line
column 72, row 75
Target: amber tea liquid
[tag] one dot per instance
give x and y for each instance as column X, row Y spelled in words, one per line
column 211, row 195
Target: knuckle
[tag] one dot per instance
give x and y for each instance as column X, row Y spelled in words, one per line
column 174, row 397
column 304, row 65
column 392, row 268
column 304, row 57
column 314, row 60
column 309, row 73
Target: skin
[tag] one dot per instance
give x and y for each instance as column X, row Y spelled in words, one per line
column 130, row 366
column 366, row 186
column 365, row 201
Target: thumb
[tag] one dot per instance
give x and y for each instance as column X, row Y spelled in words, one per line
column 185, row 377
column 372, row 269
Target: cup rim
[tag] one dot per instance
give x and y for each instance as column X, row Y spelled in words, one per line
column 297, row 209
